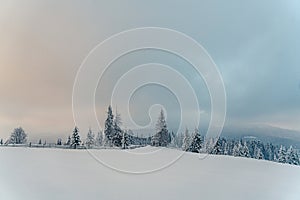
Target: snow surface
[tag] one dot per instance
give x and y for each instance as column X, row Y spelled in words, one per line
column 36, row 173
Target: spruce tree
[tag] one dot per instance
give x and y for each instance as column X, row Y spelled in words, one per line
column 58, row 141
column 237, row 149
column 162, row 136
column 245, row 150
column 117, row 132
column 68, row 142
column 258, row 154
column 196, row 143
column 218, row 147
column 90, row 139
column 282, row 154
column 292, row 156
column 99, row 139
column 125, row 141
column 75, row 140
column 109, row 128
column 186, row 140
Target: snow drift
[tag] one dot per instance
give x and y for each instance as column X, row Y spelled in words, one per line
column 29, row 173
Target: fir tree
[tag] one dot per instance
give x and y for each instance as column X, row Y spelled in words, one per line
column 186, row 140
column 237, row 149
column 109, row 128
column 68, row 142
column 292, row 156
column 162, row 136
column 270, row 151
column 40, row 142
column 99, row 138
column 125, row 141
column 1, row 142
column 218, row 147
column 90, row 139
column 258, row 154
column 245, row 151
column 282, row 155
column 118, row 133
column 75, row 141
column 196, row 143
column 59, row 142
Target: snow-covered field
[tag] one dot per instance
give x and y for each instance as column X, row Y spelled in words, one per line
column 29, row 173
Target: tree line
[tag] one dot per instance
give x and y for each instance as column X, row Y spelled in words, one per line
column 114, row 136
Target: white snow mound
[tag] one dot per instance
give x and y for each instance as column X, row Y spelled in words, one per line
column 29, row 173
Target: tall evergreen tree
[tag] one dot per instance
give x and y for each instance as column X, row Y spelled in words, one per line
column 217, row 149
column 244, row 152
column 186, row 140
column 282, row 154
column 196, row 143
column 292, row 156
column 270, row 152
column 237, row 149
column 99, row 139
column 90, row 139
column 75, row 140
column 125, row 141
column 117, row 133
column 109, row 128
column 258, row 154
column 162, row 136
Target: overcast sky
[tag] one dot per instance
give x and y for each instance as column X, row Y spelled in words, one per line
column 255, row 45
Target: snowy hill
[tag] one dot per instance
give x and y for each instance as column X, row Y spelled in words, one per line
column 28, row 173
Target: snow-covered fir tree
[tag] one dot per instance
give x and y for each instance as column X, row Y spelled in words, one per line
column 292, row 156
column 282, row 154
column 258, row 154
column 237, row 149
column 109, row 128
column 162, row 136
column 18, row 136
column 125, row 141
column 68, row 142
column 179, row 140
column 99, row 139
column 186, row 140
column 90, row 139
column 173, row 139
column 217, row 149
column 117, row 131
column 58, row 142
column 196, row 142
column 75, row 140
column 270, row 151
column 244, row 151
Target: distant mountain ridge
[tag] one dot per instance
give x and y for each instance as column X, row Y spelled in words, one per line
column 264, row 133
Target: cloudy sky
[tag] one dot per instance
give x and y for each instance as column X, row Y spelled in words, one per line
column 255, row 45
